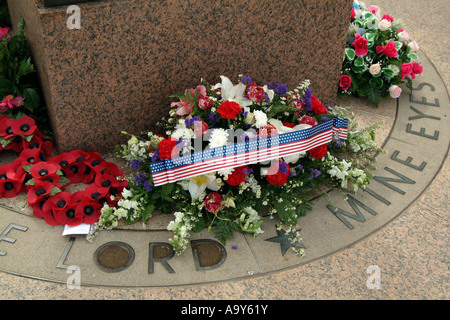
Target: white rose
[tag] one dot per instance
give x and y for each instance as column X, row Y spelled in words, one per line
column 414, row 46
column 384, row 25
column 403, row 36
column 395, row 91
column 375, row 69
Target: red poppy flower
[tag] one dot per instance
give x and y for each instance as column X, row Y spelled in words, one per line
column 38, row 143
column 10, row 182
column 42, row 169
column 25, row 126
column 53, row 206
column 31, row 156
column 108, row 168
column 96, row 193
column 6, row 128
column 37, row 209
column 90, row 210
column 39, row 191
column 64, row 160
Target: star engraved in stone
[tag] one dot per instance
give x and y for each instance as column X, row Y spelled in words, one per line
column 284, row 241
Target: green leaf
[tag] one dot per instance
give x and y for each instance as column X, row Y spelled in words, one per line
column 388, row 73
column 4, row 142
column 223, row 231
column 398, row 45
column 374, row 95
column 350, row 54
column 413, row 56
column 4, row 83
column 376, row 82
column 31, row 99
column 359, row 62
column 25, row 67
column 200, row 224
column 55, row 190
column 167, row 189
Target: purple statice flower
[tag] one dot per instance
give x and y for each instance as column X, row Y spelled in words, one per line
column 283, row 167
column 247, row 80
column 155, row 156
column 325, row 118
column 338, row 141
column 300, row 167
column 307, row 99
column 148, row 186
column 267, row 97
column 292, row 173
column 138, row 178
column 281, row 89
column 213, row 118
column 135, row 164
column 314, row 173
column 189, row 122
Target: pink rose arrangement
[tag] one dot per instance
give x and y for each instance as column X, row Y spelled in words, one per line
column 379, row 55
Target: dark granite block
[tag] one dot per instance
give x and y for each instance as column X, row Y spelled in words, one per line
column 54, row 3
column 117, row 71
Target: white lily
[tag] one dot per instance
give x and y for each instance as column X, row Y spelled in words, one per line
column 196, row 185
column 232, row 92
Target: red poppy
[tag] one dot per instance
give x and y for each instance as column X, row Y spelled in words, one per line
column 25, row 126
column 6, row 128
column 53, row 206
column 11, row 182
column 96, row 193
column 90, row 210
column 39, row 191
column 42, row 169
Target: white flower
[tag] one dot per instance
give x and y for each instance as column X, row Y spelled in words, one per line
column 395, row 91
column 261, row 118
column 375, row 69
column 384, row 25
column 233, row 92
column 197, row 185
column 414, row 46
column 270, row 92
column 219, row 137
column 403, row 36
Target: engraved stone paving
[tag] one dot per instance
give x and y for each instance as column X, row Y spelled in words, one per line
column 416, row 146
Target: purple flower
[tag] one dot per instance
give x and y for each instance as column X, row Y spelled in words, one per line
column 292, row 173
column 135, row 164
column 281, row 89
column 155, row 156
column 300, row 167
column 283, row 167
column 234, row 247
column 247, row 80
column 307, row 99
column 213, row 118
column 148, row 186
column 314, row 173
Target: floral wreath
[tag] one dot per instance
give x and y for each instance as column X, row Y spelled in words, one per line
column 45, row 178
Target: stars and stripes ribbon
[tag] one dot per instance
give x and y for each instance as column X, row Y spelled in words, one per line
column 247, row 152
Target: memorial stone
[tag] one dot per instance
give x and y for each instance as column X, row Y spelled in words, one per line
column 108, row 66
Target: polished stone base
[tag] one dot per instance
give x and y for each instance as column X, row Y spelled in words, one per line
column 117, row 70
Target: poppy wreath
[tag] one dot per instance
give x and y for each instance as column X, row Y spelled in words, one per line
column 45, row 178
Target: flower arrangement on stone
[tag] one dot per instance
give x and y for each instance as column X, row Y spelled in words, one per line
column 212, row 167
column 379, row 55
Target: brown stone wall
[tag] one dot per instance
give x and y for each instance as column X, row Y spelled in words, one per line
column 117, row 71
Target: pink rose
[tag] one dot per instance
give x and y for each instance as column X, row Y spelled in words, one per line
column 389, row 50
column 344, row 82
column 373, row 9
column 255, row 93
column 395, row 91
column 3, row 32
column 416, row 69
column 406, row 70
column 388, row 17
column 205, row 103
column 360, row 45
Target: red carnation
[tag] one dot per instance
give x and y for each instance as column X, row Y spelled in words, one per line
column 229, row 109
column 276, row 176
column 255, row 93
column 317, row 106
column 167, row 149
column 318, row 152
column 237, row 176
column 213, row 202
column 308, row 120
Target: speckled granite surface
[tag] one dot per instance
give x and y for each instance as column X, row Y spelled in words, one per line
column 117, row 72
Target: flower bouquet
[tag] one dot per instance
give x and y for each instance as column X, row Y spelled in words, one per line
column 231, row 155
column 378, row 57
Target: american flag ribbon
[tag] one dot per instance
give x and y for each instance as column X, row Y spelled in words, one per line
column 247, row 152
